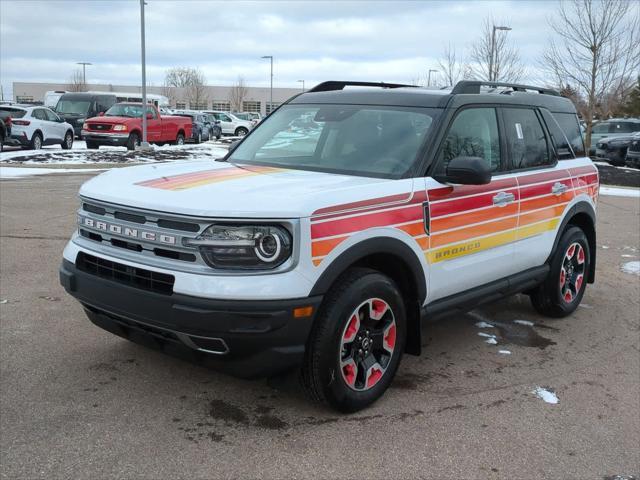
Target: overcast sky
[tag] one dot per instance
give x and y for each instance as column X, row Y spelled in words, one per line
column 368, row 40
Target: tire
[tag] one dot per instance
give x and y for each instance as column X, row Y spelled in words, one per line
column 92, row 145
column 67, row 143
column 241, row 132
column 351, row 359
column 562, row 291
column 133, row 141
column 198, row 138
column 180, row 139
column 36, row 141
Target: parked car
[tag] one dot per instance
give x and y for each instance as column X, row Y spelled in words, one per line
column 614, row 149
column 214, row 126
column 51, row 98
column 5, row 128
column 615, row 127
column 230, row 124
column 121, row 125
column 633, row 152
column 200, row 127
column 330, row 252
column 252, row 117
column 35, row 126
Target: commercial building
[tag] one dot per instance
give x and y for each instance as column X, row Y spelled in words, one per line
column 255, row 99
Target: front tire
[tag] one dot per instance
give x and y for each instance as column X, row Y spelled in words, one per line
column 36, row 141
column 241, row 132
column 357, row 341
column 67, row 143
column 133, row 141
column 562, row 291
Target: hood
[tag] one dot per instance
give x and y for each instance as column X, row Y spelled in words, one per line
column 206, row 188
column 110, row 120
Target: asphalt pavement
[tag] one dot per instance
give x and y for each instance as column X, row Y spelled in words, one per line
column 78, row 402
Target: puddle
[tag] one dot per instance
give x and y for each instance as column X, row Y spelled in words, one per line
column 523, row 335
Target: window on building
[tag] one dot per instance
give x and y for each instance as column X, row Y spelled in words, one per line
column 198, row 105
column 526, row 139
column 220, row 105
column 271, row 107
column 24, row 99
column 181, row 105
column 251, row 106
column 474, row 133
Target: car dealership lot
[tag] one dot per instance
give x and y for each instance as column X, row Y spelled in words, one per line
column 77, row 401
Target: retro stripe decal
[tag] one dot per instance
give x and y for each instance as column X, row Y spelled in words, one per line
column 205, row 177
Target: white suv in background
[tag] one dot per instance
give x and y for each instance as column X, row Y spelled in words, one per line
column 230, row 124
column 35, row 126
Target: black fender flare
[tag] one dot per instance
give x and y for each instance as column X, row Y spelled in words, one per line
column 582, row 207
column 379, row 245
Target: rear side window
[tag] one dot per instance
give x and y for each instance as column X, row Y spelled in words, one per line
column 473, row 133
column 52, row 117
column 624, row 127
column 12, row 112
column 527, row 142
column 558, row 138
column 39, row 114
column 569, row 124
column 601, row 128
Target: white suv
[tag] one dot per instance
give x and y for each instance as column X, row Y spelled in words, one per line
column 36, row 126
column 230, row 124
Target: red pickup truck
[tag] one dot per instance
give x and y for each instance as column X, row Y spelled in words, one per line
column 121, row 125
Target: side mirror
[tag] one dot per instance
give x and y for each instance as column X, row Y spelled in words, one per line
column 467, row 171
column 149, row 116
column 101, row 114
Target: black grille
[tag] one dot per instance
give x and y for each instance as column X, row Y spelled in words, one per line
column 93, row 209
column 126, row 275
column 99, row 126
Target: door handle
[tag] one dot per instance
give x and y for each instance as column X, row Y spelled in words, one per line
column 503, row 198
column 558, row 188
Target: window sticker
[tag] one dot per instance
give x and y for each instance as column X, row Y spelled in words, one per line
column 519, row 131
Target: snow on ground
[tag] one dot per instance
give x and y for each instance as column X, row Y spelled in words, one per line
column 546, row 395
column 484, row 325
column 504, row 352
column 490, row 339
column 619, row 192
column 631, row 267
column 524, row 322
column 19, row 172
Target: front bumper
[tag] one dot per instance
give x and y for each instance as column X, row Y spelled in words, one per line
column 243, row 338
column 117, row 139
column 633, row 158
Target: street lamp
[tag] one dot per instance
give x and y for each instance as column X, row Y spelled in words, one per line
column 270, row 57
column 493, row 61
column 302, row 85
column 144, row 145
column 84, row 65
column 429, row 76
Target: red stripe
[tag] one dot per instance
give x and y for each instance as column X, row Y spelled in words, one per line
column 362, row 222
column 464, row 204
column 542, row 177
column 582, row 170
column 364, row 203
column 418, row 197
column 461, row 191
column 543, row 189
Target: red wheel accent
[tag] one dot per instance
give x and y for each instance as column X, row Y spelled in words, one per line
column 568, row 296
column 579, row 279
column 571, row 251
column 373, row 376
column 349, row 372
column 563, row 277
column 352, row 329
column 390, row 337
column 580, row 255
column 378, row 309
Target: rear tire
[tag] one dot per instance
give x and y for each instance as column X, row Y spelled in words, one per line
column 67, row 143
column 92, row 145
column 198, row 139
column 180, row 139
column 356, row 342
column 562, row 291
column 36, row 141
column 133, row 141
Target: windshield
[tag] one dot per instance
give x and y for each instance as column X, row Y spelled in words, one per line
column 125, row 110
column 242, row 116
column 351, row 139
column 78, row 107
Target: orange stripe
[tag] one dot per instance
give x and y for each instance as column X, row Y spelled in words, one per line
column 472, row 232
column 439, row 224
column 423, row 242
column 320, row 248
column 316, row 262
column 545, row 214
column 413, row 229
column 176, row 183
column 550, row 201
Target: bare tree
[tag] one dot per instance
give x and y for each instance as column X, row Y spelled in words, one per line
column 598, row 50
column 450, row 66
column 192, row 80
column 492, row 58
column 76, row 82
column 237, row 94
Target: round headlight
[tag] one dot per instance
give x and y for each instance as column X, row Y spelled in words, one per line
column 268, row 248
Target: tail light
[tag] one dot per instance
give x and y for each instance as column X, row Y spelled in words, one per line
column 21, row 122
column 8, row 121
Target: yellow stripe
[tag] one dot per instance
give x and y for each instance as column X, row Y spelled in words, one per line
column 537, row 228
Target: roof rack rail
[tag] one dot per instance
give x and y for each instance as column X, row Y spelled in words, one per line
column 339, row 85
column 473, row 86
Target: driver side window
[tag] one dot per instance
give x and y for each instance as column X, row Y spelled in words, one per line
column 473, row 133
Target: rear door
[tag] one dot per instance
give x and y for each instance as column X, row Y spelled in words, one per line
column 42, row 123
column 471, row 227
column 545, row 187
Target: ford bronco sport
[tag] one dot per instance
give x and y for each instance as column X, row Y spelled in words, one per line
column 328, row 234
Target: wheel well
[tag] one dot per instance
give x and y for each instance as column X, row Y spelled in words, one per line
column 180, row 132
column 37, row 132
column 585, row 223
column 396, row 268
column 137, row 132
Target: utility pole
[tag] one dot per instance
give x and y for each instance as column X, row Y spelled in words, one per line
column 270, row 57
column 429, row 76
column 302, row 85
column 143, row 144
column 493, row 60
column 84, row 73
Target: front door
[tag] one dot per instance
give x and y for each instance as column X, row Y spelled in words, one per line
column 154, row 126
column 472, row 228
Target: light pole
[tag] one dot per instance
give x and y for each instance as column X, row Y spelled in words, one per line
column 84, row 73
column 302, row 85
column 429, row 76
column 143, row 144
column 493, row 60
column 270, row 57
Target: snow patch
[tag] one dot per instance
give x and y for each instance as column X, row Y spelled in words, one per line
column 504, row 352
column 524, row 322
column 605, row 247
column 585, row 305
column 620, row 192
column 20, row 172
column 631, row 267
column 484, row 325
column 546, row 395
column 625, row 255
column 491, row 341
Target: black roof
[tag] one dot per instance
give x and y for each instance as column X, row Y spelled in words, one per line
column 409, row 96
